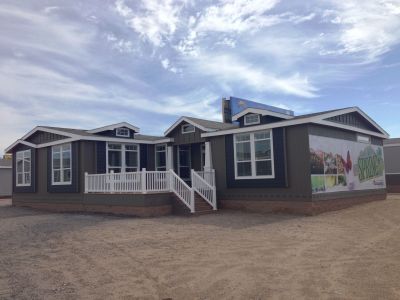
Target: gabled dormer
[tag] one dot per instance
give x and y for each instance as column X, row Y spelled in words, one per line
column 256, row 116
column 119, row 130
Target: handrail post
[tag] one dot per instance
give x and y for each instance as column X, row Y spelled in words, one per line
column 86, row 183
column 170, row 178
column 143, row 180
column 214, row 185
column 192, row 204
column 112, row 182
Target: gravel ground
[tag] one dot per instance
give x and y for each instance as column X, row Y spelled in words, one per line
column 348, row 254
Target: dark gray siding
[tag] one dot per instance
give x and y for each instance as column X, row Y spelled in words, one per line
column 297, row 164
column 392, row 159
column 186, row 138
column 41, row 137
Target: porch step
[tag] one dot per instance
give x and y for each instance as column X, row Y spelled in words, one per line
column 201, row 206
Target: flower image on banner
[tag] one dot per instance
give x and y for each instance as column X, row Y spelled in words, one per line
column 338, row 165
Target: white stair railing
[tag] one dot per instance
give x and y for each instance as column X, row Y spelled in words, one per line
column 182, row 190
column 205, row 189
column 208, row 176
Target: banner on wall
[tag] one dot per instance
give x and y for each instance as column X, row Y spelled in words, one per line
column 339, row 165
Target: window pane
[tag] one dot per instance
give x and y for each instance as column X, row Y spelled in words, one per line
column 57, row 176
column 242, row 137
column 160, row 148
column 19, row 166
column 187, row 128
column 67, row 159
column 252, row 119
column 114, row 146
column 131, row 159
column 263, row 167
column 19, row 179
column 161, row 169
column 160, row 159
column 27, row 166
column 20, row 155
column 244, row 169
column 56, row 160
column 263, row 149
column 56, row 149
column 243, row 151
column 114, row 158
column 27, row 154
column 67, row 175
column 131, row 147
column 27, row 178
column 131, row 170
column 66, row 147
column 262, row 135
column 115, row 170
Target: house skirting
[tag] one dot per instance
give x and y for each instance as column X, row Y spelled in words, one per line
column 147, row 205
column 312, row 207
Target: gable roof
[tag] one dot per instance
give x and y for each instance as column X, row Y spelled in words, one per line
column 72, row 134
column 204, row 125
column 315, row 118
column 263, row 112
column 114, row 126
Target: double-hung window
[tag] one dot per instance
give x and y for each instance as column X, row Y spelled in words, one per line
column 122, row 158
column 254, row 155
column 23, row 168
column 61, row 158
column 161, row 157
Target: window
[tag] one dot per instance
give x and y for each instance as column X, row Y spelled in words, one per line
column 161, row 157
column 254, row 155
column 122, row 158
column 251, row 119
column 23, row 168
column 123, row 132
column 363, row 139
column 61, row 164
column 187, row 128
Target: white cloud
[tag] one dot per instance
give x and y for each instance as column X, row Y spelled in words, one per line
column 232, row 70
column 367, row 29
column 154, row 20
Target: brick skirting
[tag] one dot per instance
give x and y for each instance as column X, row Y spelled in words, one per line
column 298, row 207
column 138, row 211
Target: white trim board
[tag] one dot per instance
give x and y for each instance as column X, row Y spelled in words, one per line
column 263, row 112
column 319, row 119
column 5, row 167
column 181, row 119
column 391, row 145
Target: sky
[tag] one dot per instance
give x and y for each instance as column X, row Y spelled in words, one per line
column 86, row 64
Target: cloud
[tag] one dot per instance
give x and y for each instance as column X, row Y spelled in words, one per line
column 229, row 69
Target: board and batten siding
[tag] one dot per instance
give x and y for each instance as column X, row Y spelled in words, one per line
column 41, row 137
column 186, row 138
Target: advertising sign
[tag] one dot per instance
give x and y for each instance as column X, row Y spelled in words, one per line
column 340, row 165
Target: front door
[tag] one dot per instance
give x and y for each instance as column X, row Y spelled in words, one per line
column 184, row 162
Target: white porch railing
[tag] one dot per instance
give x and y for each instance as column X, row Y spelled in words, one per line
column 204, row 188
column 155, row 181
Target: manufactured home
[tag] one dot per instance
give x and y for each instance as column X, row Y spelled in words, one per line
column 258, row 158
column 391, row 149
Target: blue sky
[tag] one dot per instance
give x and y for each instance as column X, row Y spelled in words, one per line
column 84, row 64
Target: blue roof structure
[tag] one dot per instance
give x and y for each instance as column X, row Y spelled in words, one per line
column 238, row 105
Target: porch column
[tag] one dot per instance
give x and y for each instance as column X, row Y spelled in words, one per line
column 170, row 158
column 208, row 157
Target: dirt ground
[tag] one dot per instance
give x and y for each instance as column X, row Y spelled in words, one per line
column 348, row 254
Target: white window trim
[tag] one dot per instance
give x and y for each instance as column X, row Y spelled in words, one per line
column 61, row 165
column 253, row 159
column 122, row 135
column 251, row 123
column 360, row 139
column 155, row 156
column 187, row 125
column 23, row 167
column 123, row 162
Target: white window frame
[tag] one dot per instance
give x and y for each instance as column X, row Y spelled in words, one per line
column 62, row 168
column 155, row 157
column 186, row 126
column 23, row 152
column 122, row 135
column 123, row 157
column 363, row 139
column 251, row 123
column 253, row 156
